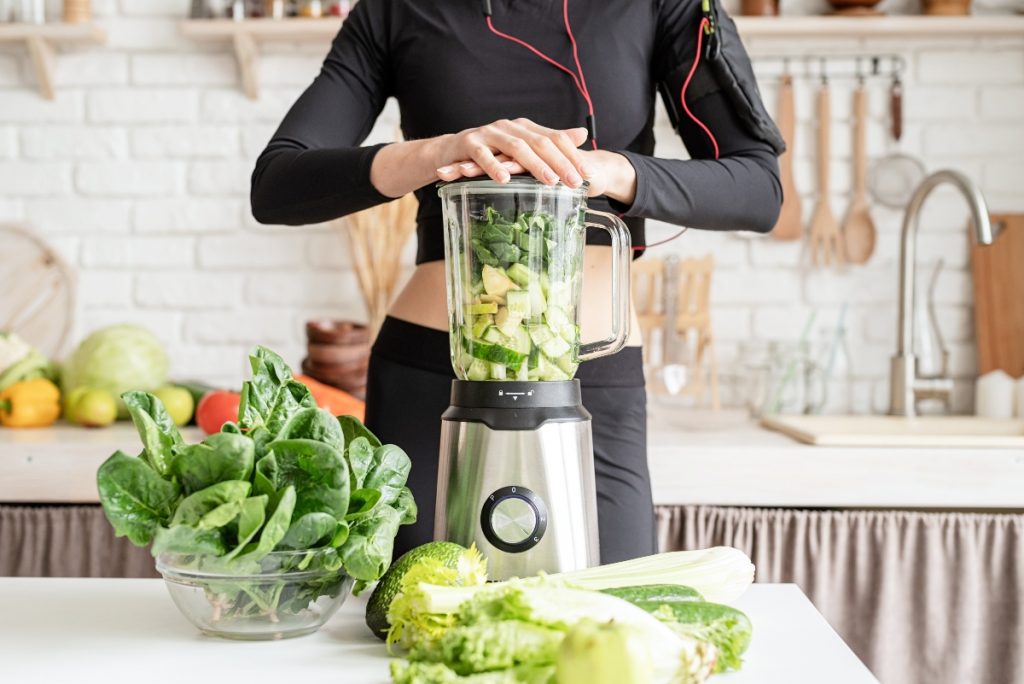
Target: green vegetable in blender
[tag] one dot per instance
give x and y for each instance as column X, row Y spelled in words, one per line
column 520, row 299
column 288, row 476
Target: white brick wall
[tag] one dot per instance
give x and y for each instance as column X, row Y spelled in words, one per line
column 139, row 174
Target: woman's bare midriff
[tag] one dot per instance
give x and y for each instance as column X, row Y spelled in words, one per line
column 422, row 301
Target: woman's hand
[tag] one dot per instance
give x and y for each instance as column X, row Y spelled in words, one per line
column 500, row 150
column 504, row 148
column 610, row 174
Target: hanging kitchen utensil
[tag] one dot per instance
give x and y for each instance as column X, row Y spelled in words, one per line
column 895, row 176
column 37, row 291
column 790, row 225
column 825, row 245
column 858, row 228
column 998, row 304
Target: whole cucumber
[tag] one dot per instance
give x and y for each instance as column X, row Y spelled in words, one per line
column 656, row 593
column 727, row 628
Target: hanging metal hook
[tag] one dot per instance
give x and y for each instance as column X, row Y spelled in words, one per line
column 823, row 61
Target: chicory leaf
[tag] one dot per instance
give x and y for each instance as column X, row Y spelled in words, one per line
column 265, row 476
column 406, row 506
column 311, row 531
column 193, row 507
column 360, row 456
column 316, row 424
column 184, row 539
column 352, row 428
column 388, row 472
column 221, row 456
column 362, row 502
column 156, row 428
column 366, row 553
column 318, row 472
column 136, row 500
column 250, row 520
column 276, row 526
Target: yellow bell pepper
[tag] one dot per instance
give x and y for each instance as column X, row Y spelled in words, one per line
column 28, row 404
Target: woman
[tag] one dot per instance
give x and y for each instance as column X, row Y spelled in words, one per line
column 514, row 90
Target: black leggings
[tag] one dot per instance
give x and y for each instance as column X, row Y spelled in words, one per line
column 409, row 388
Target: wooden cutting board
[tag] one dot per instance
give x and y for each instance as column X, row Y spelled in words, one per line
column 999, row 297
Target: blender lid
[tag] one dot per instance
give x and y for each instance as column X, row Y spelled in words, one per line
column 515, row 184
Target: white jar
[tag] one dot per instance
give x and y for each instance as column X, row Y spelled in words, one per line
column 994, row 395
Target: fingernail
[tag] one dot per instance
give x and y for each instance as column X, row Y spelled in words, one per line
column 444, row 169
column 550, row 177
column 508, row 164
column 503, row 176
column 467, row 165
column 574, row 179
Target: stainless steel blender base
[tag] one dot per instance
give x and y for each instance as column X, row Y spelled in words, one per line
column 529, row 504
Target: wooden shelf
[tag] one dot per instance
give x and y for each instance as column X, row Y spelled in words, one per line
column 247, row 34
column 908, row 26
column 41, row 40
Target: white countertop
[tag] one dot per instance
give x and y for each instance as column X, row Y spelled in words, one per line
column 695, row 458
column 110, row 631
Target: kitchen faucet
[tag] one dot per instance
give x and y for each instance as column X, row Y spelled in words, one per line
column 906, row 385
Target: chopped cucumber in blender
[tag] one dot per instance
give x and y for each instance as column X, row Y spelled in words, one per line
column 520, row 282
column 555, row 348
column 481, row 324
column 519, row 302
column 478, row 370
column 482, row 308
column 507, row 321
column 519, row 274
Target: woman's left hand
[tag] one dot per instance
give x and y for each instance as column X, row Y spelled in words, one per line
column 611, row 173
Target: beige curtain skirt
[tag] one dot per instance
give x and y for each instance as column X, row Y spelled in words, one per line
column 922, row 598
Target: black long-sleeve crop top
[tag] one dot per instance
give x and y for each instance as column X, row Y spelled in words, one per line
column 448, row 72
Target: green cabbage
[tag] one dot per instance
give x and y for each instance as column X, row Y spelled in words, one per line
column 119, row 359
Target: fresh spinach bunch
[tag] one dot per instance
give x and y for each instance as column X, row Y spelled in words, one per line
column 287, row 476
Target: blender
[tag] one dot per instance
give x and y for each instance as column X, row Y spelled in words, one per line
column 516, row 472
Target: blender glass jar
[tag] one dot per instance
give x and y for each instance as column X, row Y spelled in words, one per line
column 514, row 267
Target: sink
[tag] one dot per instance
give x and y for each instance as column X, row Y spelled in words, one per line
column 897, row 431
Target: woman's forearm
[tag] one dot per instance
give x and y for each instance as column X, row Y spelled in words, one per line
column 401, row 168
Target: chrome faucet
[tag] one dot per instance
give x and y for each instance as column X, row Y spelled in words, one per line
column 906, row 385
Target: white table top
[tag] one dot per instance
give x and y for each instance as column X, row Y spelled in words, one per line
column 695, row 458
column 110, row 631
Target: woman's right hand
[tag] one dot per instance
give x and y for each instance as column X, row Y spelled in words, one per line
column 504, row 148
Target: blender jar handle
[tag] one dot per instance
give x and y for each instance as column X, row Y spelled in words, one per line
column 622, row 257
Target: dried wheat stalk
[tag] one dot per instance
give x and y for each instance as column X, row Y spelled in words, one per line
column 377, row 237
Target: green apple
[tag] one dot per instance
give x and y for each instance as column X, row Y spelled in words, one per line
column 178, row 401
column 91, row 407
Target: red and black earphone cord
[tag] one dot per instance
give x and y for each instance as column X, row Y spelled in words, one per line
column 580, row 81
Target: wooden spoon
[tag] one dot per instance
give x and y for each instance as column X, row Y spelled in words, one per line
column 790, row 225
column 858, row 228
column 826, row 248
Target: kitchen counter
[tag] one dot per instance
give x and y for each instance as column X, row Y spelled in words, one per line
column 118, row 630
column 695, row 458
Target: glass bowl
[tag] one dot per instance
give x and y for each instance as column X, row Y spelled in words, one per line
column 284, row 594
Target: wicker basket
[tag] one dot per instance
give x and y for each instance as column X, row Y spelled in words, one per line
column 77, row 11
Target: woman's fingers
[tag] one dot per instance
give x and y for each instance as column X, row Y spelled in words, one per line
column 548, row 140
column 523, row 153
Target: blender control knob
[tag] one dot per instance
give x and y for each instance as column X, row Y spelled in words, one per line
column 514, row 519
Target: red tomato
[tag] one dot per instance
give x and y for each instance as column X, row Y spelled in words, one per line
column 217, row 408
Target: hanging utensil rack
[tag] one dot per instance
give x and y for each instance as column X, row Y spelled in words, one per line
column 832, row 65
